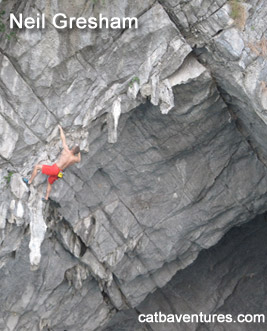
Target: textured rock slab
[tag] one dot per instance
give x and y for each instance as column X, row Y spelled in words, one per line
column 235, row 55
column 44, row 296
column 185, row 178
column 226, row 279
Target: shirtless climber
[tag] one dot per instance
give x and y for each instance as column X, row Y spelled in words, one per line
column 67, row 158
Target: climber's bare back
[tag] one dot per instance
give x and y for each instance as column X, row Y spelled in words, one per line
column 66, row 159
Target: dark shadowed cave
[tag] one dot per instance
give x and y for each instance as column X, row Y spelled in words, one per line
column 229, row 278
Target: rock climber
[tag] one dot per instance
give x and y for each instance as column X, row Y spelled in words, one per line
column 67, row 158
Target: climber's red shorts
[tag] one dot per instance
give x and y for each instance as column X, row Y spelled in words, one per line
column 51, row 171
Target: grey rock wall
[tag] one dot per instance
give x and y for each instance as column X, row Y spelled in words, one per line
column 228, row 278
column 235, row 55
column 168, row 162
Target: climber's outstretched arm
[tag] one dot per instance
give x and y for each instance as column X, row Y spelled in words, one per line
column 63, row 138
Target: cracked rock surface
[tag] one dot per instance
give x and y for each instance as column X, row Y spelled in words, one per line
column 171, row 123
column 223, row 280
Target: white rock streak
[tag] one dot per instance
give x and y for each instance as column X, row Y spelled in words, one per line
column 113, row 120
column 166, row 97
column 37, row 228
column 3, row 214
column 8, row 140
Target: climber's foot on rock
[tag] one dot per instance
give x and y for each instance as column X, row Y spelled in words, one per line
column 45, row 200
column 26, row 181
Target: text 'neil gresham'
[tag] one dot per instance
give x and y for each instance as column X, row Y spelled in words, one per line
column 62, row 21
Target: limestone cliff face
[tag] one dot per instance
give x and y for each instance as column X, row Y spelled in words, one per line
column 223, row 280
column 171, row 121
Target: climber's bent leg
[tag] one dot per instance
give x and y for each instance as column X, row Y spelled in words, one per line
column 48, row 190
column 51, row 180
column 35, row 172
